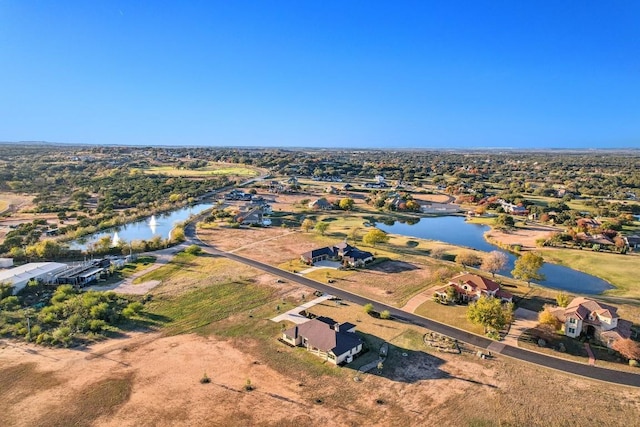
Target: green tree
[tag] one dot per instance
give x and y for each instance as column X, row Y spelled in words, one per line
column 527, row 266
column 562, row 299
column 385, row 314
column 490, row 313
column 368, row 308
column 307, row 225
column 321, row 227
column 346, row 204
column 452, row 294
column 504, row 221
column 375, row 236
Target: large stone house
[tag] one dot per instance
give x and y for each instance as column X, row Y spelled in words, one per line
column 335, row 342
column 343, row 252
column 593, row 319
column 470, row 287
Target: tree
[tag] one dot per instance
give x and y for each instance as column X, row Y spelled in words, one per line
column 354, row 234
column 527, row 266
column 490, row 313
column 562, row 299
column 375, row 236
column 505, row 221
column 385, row 314
column 546, row 317
column 368, row 308
column 494, row 261
column 346, row 204
column 438, row 252
column 468, row 258
column 307, row 224
column 321, row 227
column 628, row 348
column 452, row 294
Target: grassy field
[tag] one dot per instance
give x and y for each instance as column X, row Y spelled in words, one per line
column 619, row 270
column 213, row 169
column 4, row 205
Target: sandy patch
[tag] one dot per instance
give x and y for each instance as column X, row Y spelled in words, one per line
column 524, row 236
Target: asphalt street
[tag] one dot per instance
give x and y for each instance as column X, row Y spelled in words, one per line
column 593, row 372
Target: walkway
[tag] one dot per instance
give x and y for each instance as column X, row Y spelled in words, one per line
column 294, row 315
column 417, row 300
column 524, row 319
column 592, row 358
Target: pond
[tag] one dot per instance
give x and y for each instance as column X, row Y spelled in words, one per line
column 456, row 231
column 156, row 225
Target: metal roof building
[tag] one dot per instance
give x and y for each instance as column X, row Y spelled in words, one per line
column 18, row 277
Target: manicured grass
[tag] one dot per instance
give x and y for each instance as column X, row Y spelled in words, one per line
column 324, row 274
column 619, row 270
column 214, row 169
column 454, row 315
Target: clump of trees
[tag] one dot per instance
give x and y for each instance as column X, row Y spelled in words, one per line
column 68, row 317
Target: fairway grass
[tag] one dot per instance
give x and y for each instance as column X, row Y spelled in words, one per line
column 619, row 270
column 214, row 169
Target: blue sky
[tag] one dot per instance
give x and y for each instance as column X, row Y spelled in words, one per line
column 340, row 73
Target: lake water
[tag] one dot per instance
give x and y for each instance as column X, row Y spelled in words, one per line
column 157, row 225
column 455, row 230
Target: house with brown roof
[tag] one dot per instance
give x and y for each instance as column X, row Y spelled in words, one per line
column 594, row 319
column 470, row 287
column 320, row 204
column 335, row 342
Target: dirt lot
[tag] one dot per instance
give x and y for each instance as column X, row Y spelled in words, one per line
column 525, row 236
column 146, row 379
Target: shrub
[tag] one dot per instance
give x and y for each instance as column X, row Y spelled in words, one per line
column 385, row 314
column 193, row 250
column 368, row 308
column 634, row 363
column 205, row 379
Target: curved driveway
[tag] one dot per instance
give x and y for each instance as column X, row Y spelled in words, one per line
column 593, row 372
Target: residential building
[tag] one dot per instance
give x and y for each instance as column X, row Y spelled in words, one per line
column 470, row 287
column 344, row 252
column 335, row 342
column 593, row 319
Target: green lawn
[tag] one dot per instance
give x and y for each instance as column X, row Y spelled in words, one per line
column 619, row 270
column 454, row 315
column 213, row 169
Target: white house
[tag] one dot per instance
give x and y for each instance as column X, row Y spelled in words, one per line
column 18, row 277
column 336, row 343
column 595, row 319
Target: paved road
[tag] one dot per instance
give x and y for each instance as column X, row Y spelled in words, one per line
column 564, row 365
